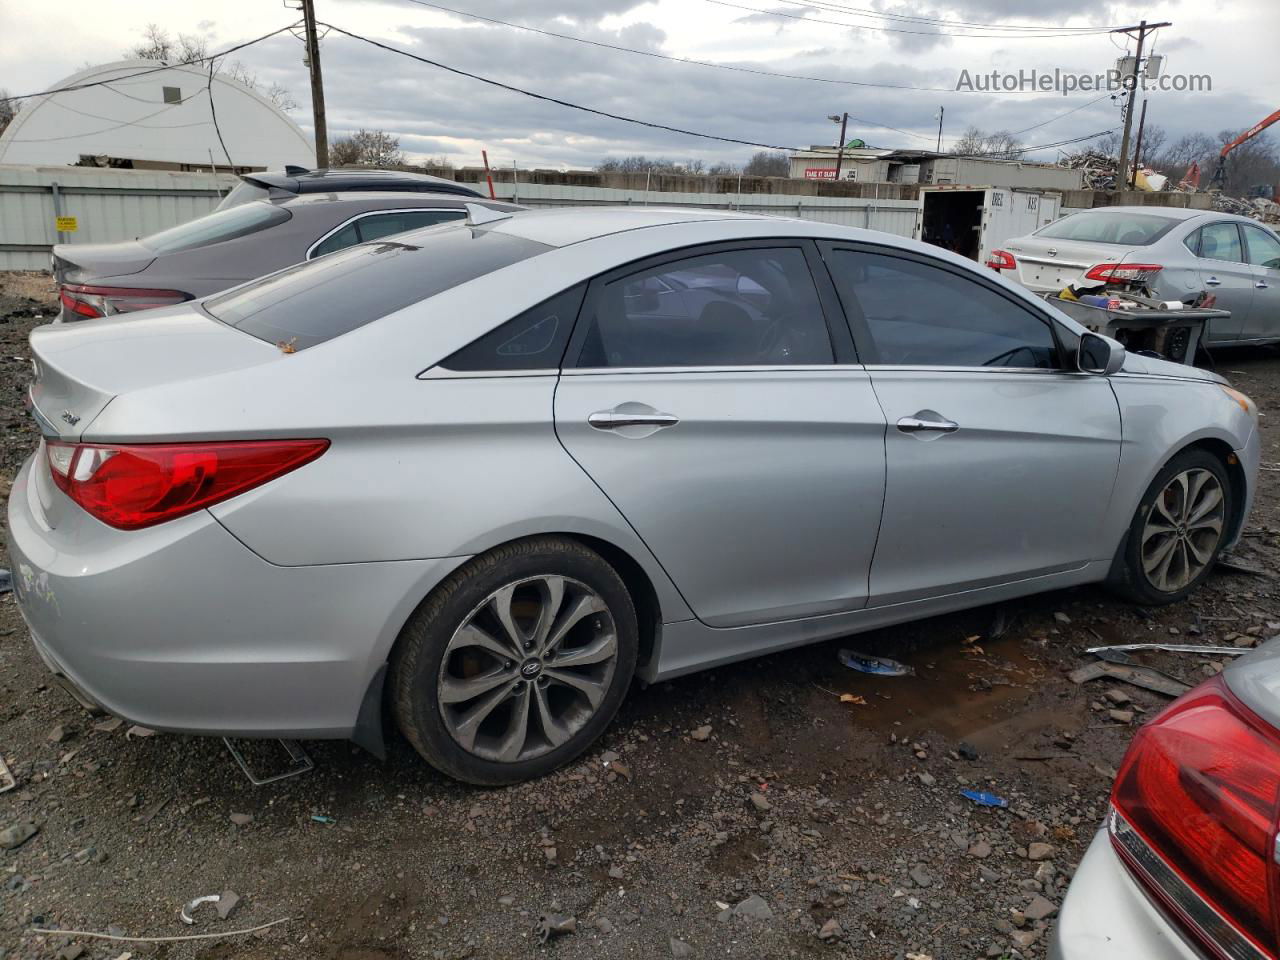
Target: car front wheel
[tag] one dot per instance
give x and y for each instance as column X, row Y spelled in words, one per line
column 516, row 663
column 1178, row 531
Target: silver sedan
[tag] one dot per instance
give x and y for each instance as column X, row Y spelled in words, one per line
column 1178, row 253
column 490, row 472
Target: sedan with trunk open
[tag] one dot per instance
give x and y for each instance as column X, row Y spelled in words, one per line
column 488, row 473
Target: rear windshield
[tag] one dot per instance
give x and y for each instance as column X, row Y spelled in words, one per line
column 243, row 192
column 1104, row 226
column 325, row 298
column 216, row 227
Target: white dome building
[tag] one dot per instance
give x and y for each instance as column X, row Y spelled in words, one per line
column 137, row 116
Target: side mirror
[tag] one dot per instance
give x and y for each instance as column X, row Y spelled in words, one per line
column 1099, row 355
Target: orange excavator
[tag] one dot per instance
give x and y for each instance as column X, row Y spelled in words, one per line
column 1220, row 174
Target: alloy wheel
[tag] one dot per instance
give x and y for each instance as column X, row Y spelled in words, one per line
column 1183, row 529
column 528, row 668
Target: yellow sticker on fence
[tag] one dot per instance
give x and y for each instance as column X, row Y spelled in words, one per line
column 66, row 224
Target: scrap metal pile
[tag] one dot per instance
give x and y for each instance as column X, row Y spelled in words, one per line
column 1099, row 168
column 1259, row 207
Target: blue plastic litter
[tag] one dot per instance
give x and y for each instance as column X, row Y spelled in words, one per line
column 984, row 799
column 880, row 666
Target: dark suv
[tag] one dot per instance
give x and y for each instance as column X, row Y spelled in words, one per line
column 298, row 180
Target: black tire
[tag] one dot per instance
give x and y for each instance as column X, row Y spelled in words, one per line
column 1128, row 576
column 420, row 653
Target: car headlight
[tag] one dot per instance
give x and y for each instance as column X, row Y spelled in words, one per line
column 1246, row 404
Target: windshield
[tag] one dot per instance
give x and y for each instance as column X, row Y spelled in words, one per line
column 243, row 192
column 1109, row 226
column 315, row 301
column 216, row 227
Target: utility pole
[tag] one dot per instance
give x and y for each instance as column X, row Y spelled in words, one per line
column 941, row 113
column 317, row 84
column 1137, row 150
column 1142, row 29
column 843, row 120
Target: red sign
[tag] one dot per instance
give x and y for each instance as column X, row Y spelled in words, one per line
column 819, row 173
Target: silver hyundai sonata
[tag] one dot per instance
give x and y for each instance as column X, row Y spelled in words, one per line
column 489, row 472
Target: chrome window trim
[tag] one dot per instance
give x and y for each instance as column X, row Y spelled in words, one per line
column 444, row 373
column 947, row 368
column 754, row 368
column 384, row 211
column 1140, row 857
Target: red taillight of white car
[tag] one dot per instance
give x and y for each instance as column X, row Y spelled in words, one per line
column 1194, row 815
column 133, row 486
column 88, row 300
column 1002, row 260
column 1123, row 272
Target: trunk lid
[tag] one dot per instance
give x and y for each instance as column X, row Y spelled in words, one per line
column 86, row 262
column 81, row 367
column 1046, row 264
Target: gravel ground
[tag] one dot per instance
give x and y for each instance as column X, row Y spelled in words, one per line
column 745, row 812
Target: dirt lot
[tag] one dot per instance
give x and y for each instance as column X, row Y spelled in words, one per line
column 839, row 827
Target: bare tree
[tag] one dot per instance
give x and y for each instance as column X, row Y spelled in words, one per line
column 8, row 109
column 768, row 163
column 722, row 168
column 976, row 142
column 366, row 148
column 156, row 44
column 1254, row 163
column 639, row 163
column 1153, row 138
column 277, row 94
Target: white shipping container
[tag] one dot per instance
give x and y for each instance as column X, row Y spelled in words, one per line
column 973, row 221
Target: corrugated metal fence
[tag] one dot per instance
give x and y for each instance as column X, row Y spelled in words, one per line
column 107, row 205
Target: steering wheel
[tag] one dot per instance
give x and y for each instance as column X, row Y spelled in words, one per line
column 995, row 361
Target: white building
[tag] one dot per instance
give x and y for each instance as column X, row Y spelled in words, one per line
column 871, row 165
column 129, row 114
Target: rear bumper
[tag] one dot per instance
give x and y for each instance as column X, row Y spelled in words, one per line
column 1106, row 916
column 181, row 627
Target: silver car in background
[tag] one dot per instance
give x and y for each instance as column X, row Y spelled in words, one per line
column 490, row 471
column 1178, row 252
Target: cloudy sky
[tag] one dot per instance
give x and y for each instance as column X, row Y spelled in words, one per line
column 438, row 113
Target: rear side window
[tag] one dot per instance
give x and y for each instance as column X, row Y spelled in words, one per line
column 1103, row 226
column 378, row 225
column 1221, row 241
column 321, row 299
column 738, row 308
column 1264, row 249
column 237, row 221
column 535, row 340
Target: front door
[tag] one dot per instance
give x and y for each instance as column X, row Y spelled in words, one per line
column 737, row 437
column 1000, row 459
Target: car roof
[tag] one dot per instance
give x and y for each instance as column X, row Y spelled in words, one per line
column 566, row 225
column 296, row 180
column 1171, row 213
column 390, row 198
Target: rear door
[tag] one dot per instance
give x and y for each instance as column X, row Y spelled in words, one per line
column 1000, row 458
column 739, row 437
column 1224, row 272
column 1263, row 252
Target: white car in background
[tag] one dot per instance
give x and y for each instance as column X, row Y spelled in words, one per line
column 1177, row 253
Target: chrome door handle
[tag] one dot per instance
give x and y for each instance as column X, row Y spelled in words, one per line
column 917, row 425
column 1213, row 282
column 1261, row 284
column 608, row 420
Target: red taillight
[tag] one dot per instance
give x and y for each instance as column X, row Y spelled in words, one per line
column 135, row 486
column 1200, row 787
column 87, row 300
column 1002, row 260
column 1123, row 272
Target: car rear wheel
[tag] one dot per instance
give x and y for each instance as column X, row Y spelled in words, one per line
column 516, row 663
column 1178, row 530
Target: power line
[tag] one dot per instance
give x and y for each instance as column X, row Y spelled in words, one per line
column 926, row 33
column 662, row 56
column 150, row 70
column 1059, row 116
column 911, row 18
column 555, row 100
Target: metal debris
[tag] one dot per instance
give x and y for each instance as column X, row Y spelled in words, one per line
column 191, row 906
column 299, row 763
column 1168, row 648
column 1229, row 565
column 7, row 780
column 1145, row 677
column 554, row 925
column 880, row 666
